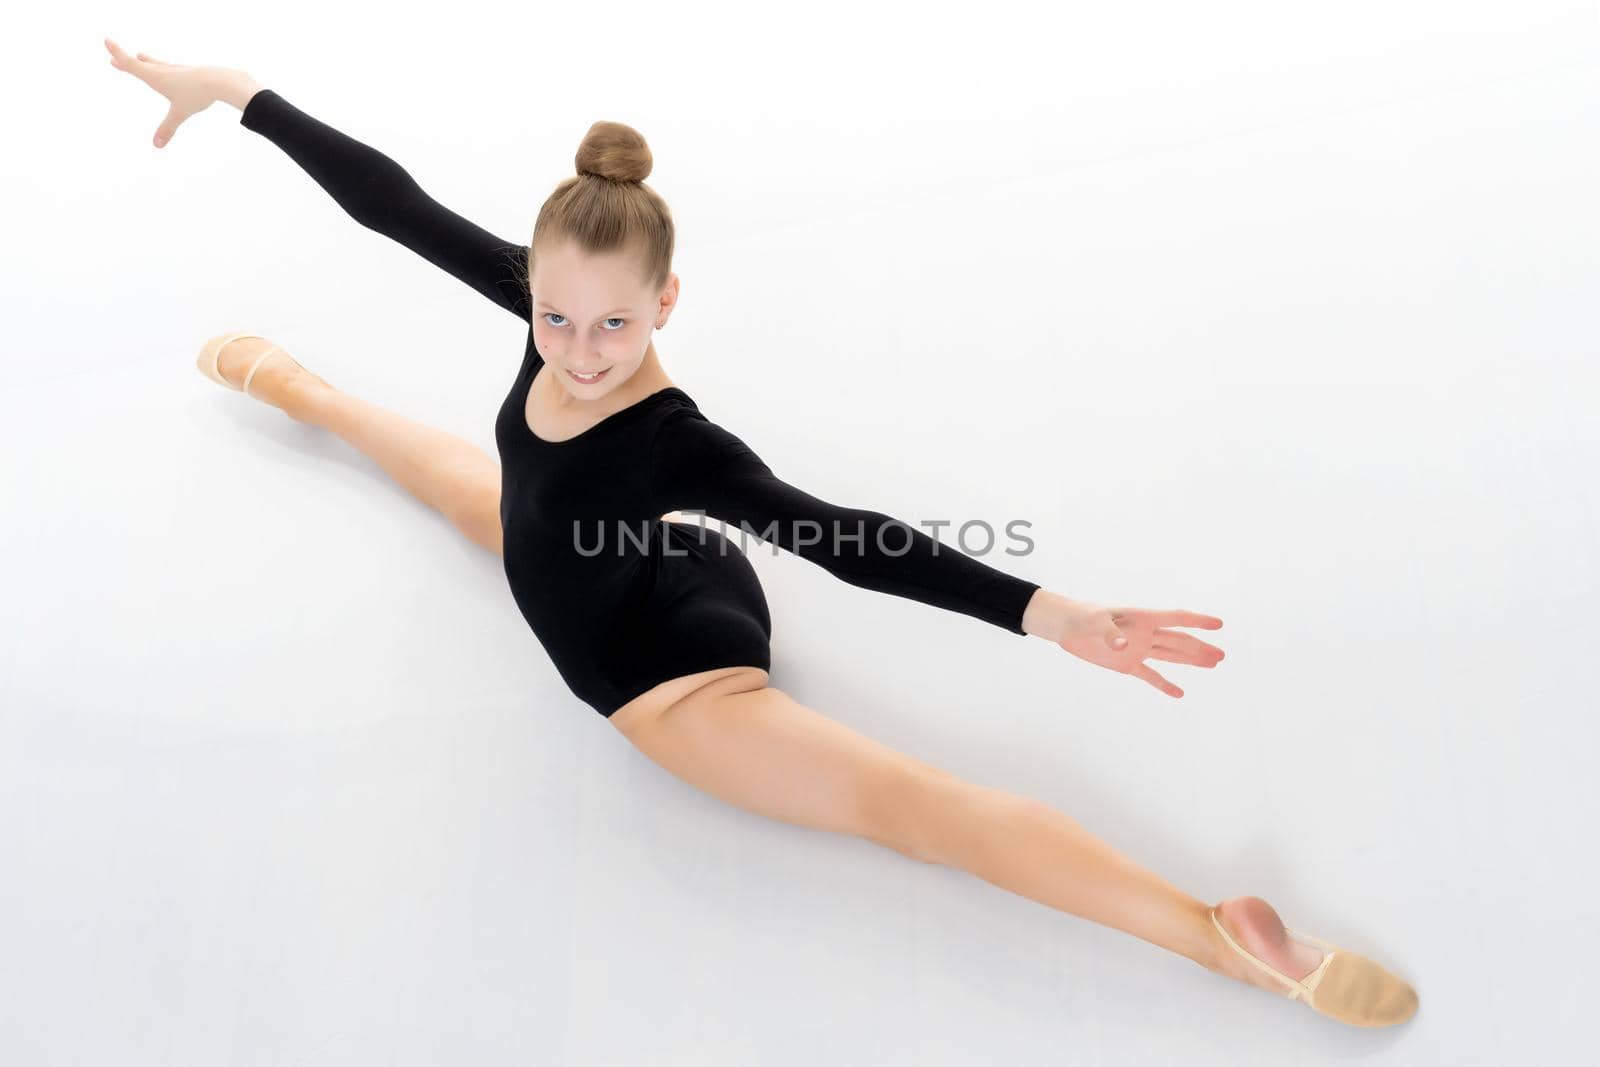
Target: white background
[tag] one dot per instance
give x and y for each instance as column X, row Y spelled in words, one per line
column 1276, row 312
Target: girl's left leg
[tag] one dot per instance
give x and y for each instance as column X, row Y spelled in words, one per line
column 758, row 748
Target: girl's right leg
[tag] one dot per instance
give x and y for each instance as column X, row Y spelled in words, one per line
column 446, row 472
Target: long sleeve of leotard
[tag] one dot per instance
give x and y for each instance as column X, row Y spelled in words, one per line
column 378, row 193
column 697, row 465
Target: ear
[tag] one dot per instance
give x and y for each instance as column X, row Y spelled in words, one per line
column 669, row 296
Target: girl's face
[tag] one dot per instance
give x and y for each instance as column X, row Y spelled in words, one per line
column 593, row 316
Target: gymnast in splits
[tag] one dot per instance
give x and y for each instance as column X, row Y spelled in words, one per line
column 661, row 626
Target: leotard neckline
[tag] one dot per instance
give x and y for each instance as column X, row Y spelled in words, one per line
column 615, row 416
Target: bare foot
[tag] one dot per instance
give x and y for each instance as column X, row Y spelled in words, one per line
column 1254, row 924
column 280, row 380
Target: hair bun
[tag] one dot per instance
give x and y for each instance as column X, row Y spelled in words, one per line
column 614, row 151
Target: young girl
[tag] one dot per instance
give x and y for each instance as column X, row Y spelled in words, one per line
column 661, row 626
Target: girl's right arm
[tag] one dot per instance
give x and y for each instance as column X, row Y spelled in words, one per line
column 378, row 193
column 372, row 188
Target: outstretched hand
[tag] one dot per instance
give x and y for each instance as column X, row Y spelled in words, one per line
column 189, row 90
column 1121, row 639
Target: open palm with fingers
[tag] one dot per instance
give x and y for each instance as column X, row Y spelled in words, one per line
column 189, row 90
column 1149, row 635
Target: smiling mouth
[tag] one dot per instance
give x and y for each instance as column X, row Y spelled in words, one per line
column 588, row 379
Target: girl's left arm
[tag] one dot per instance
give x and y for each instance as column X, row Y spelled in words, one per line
column 697, row 465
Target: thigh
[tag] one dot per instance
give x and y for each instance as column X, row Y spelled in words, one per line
column 471, row 500
column 762, row 750
column 630, row 719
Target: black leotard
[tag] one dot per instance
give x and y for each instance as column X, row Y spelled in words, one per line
column 677, row 598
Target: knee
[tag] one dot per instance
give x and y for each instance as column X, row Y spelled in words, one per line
column 915, row 811
column 934, row 817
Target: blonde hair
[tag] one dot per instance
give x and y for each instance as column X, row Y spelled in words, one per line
column 606, row 206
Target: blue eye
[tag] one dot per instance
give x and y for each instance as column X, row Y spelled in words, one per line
column 615, row 318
